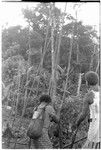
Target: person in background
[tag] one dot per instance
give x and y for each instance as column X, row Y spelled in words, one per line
column 91, row 101
column 44, row 141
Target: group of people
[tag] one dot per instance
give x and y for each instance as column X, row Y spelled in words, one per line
column 91, row 101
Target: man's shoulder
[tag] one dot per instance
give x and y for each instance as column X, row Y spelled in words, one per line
column 50, row 108
column 90, row 94
column 89, row 97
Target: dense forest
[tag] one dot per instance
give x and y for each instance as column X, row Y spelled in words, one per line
column 50, row 55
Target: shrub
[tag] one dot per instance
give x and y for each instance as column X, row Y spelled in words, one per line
column 69, row 113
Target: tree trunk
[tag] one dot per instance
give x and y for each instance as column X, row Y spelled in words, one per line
column 43, row 55
column 17, row 101
column 79, row 84
column 25, row 96
column 44, row 50
column 79, row 74
column 53, row 52
column 98, row 64
column 91, row 63
column 69, row 60
column 97, row 68
column 65, row 87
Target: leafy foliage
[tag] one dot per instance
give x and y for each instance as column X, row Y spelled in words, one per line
column 11, row 67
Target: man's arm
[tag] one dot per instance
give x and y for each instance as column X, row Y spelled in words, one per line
column 52, row 114
column 88, row 100
column 54, row 118
column 83, row 114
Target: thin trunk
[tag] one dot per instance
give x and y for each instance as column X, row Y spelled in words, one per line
column 58, row 48
column 97, row 68
column 60, row 35
column 17, row 101
column 91, row 63
column 39, row 69
column 77, row 52
column 25, row 96
column 53, row 78
column 55, row 56
column 100, row 110
column 65, row 87
column 43, row 55
column 79, row 74
column 68, row 69
column 44, row 50
column 79, row 84
column 57, row 63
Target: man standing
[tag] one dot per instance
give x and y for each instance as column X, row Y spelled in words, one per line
column 91, row 101
column 44, row 142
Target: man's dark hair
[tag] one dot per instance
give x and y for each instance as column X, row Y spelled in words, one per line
column 92, row 78
column 45, row 98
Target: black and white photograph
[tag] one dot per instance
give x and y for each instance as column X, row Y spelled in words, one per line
column 50, row 75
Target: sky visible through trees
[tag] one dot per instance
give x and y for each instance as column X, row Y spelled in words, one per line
column 88, row 13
